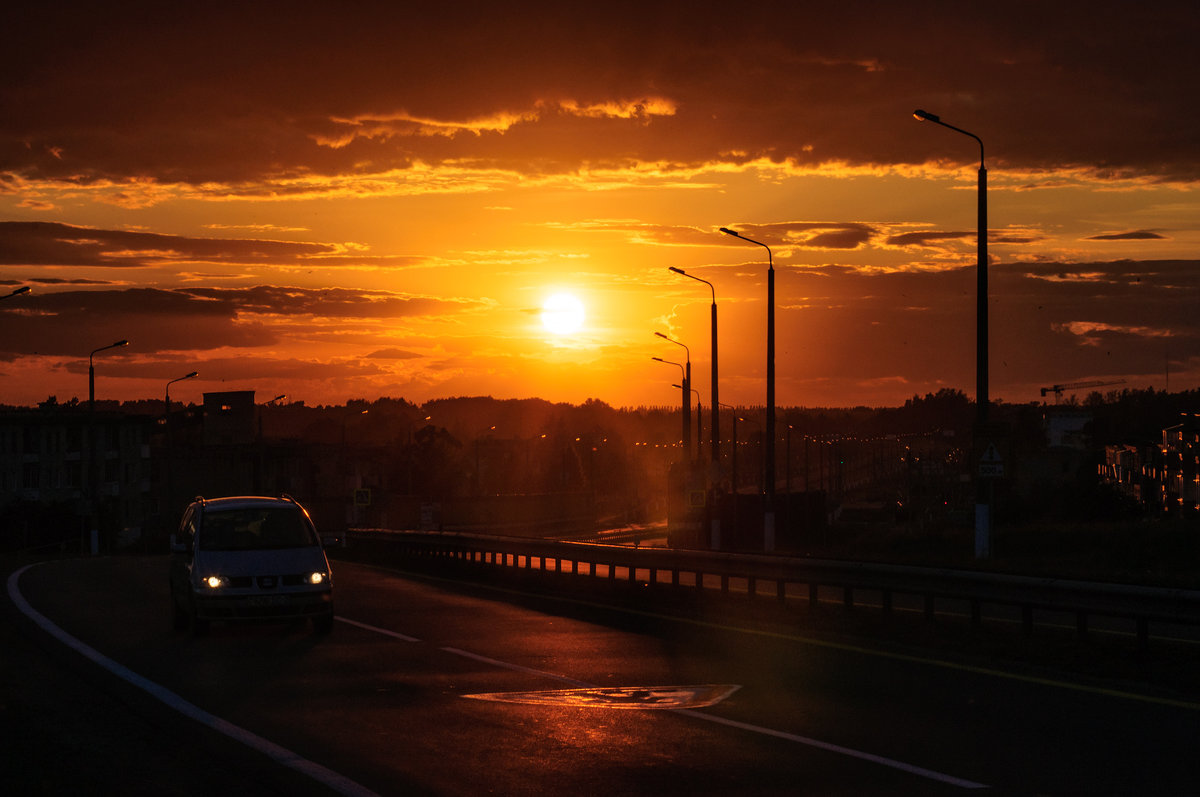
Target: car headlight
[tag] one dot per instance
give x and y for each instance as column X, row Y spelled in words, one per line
column 215, row 582
column 317, row 578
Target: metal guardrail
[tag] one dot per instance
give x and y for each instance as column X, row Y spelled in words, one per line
column 698, row 569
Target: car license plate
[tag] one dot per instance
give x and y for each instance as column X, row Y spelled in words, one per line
column 268, row 600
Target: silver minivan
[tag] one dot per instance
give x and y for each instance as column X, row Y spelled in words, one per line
column 249, row 558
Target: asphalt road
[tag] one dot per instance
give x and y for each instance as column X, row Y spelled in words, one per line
column 390, row 702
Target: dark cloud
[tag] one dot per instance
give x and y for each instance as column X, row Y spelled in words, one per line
column 392, row 354
column 1050, row 323
column 71, row 323
column 253, row 370
column 1133, row 235
column 121, row 93
column 72, row 281
column 328, row 302
column 928, row 238
column 34, row 243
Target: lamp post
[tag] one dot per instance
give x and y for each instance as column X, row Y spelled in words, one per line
column 687, row 386
column 16, row 292
column 92, row 371
column 981, row 303
column 716, row 417
column 167, row 394
column 687, row 409
column 167, row 423
column 769, row 432
column 699, row 431
column 983, row 508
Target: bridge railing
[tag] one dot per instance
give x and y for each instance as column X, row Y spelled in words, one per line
column 858, row 583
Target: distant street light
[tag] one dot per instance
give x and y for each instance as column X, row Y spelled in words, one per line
column 167, row 393
column 769, row 433
column 16, row 292
column 687, row 402
column 983, row 503
column 167, row 423
column 687, row 386
column 699, row 415
column 716, row 417
column 92, row 371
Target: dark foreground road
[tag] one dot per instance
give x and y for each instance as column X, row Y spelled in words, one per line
column 391, row 702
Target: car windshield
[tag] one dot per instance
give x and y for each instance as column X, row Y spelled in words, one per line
column 255, row 528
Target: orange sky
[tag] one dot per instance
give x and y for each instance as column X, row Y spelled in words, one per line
column 377, row 202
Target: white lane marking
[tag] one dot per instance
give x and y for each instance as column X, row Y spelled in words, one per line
column 339, row 783
column 846, row 751
column 377, row 630
column 816, row 743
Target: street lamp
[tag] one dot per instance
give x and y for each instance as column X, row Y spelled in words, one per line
column 716, row 418
column 981, row 297
column 16, row 292
column 687, row 412
column 92, row 371
column 983, row 509
column 687, row 386
column 167, row 395
column 167, row 423
column 769, row 432
column 699, row 414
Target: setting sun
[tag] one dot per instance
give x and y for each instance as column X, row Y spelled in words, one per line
column 562, row 314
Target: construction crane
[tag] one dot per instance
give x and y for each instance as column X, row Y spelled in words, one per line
column 1057, row 390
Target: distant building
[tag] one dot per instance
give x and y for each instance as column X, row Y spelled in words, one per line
column 229, row 417
column 1165, row 477
column 94, row 467
column 1180, row 468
